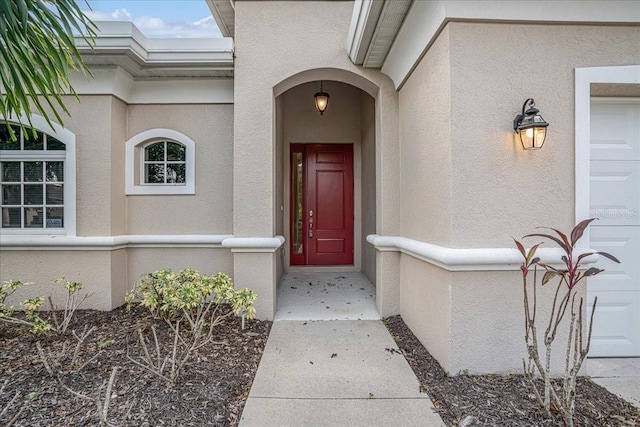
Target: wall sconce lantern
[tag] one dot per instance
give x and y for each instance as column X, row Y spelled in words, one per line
column 530, row 127
column 322, row 100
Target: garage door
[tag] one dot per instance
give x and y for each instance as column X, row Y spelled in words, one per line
column 615, row 200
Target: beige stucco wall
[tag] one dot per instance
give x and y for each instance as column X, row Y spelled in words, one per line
column 209, row 210
column 102, row 125
column 426, row 306
column 93, row 162
column 499, row 190
column 466, row 184
column 368, row 138
column 425, row 146
column 117, row 165
column 268, row 57
column 95, row 269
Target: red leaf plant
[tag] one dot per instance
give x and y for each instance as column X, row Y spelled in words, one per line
column 561, row 399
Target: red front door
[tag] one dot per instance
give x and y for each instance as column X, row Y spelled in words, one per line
column 321, row 204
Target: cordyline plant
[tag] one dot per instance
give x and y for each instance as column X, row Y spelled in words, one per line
column 565, row 300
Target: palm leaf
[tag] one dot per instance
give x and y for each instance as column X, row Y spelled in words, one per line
column 37, row 53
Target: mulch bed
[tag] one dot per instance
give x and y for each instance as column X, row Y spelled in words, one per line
column 215, row 383
column 211, row 390
column 495, row 400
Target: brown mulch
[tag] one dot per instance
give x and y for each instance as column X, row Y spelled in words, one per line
column 211, row 390
column 496, row 400
column 215, row 383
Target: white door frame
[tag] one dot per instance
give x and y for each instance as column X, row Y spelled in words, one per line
column 583, row 79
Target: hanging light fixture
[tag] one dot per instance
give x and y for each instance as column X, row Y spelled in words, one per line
column 530, row 127
column 322, row 100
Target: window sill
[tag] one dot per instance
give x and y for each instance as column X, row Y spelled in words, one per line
column 141, row 190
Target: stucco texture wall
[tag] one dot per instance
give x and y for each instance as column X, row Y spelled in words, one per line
column 266, row 55
column 466, row 183
column 498, row 189
column 425, row 148
column 93, row 268
column 94, row 155
column 209, row 210
column 280, row 45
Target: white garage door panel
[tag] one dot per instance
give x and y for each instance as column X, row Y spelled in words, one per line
column 615, row 134
column 624, row 244
column 615, row 192
column 615, row 198
column 615, row 326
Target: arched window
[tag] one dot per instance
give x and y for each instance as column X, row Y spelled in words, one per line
column 160, row 161
column 37, row 180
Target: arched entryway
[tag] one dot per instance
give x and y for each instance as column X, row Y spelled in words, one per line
column 326, row 176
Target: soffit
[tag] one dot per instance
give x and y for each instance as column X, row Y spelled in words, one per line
column 224, row 13
column 374, row 26
column 123, row 45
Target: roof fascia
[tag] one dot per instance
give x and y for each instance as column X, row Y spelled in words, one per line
column 364, row 21
column 216, row 7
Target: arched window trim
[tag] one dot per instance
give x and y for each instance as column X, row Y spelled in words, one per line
column 135, row 185
column 68, row 138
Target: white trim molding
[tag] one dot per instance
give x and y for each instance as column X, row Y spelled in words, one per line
column 469, row 259
column 135, row 186
column 110, row 243
column 584, row 77
column 115, row 81
column 253, row 244
column 122, row 43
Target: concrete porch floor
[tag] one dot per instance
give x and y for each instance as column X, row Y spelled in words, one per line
column 621, row 376
column 326, row 296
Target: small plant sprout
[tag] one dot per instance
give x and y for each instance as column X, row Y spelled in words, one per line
column 32, row 307
column 565, row 300
column 71, row 305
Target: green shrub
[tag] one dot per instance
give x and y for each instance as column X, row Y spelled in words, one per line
column 171, row 295
column 186, row 297
column 32, row 307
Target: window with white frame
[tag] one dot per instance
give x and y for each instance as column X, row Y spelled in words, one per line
column 34, row 189
column 160, row 161
column 164, row 163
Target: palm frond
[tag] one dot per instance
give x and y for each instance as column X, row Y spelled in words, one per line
column 38, row 53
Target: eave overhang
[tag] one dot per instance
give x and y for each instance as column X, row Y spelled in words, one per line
column 374, row 26
column 394, row 36
column 224, row 13
column 122, row 44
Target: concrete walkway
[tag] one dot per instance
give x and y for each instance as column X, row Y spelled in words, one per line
column 335, row 373
column 620, row 376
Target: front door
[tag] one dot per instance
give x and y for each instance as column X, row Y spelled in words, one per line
column 321, row 204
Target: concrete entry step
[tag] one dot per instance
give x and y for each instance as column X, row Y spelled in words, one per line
column 335, row 373
column 326, row 296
